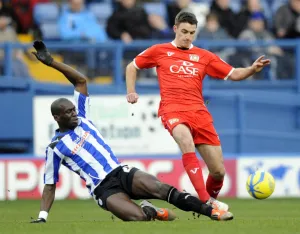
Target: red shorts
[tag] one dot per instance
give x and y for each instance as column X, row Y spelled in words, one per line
column 199, row 122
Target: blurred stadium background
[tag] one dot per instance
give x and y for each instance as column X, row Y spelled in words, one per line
column 258, row 120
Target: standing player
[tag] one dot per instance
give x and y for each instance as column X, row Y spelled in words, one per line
column 181, row 68
column 79, row 146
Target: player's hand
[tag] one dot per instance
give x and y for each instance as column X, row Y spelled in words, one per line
column 39, row 220
column 42, row 53
column 132, row 98
column 260, row 63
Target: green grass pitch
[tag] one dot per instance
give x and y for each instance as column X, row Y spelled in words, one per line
column 274, row 216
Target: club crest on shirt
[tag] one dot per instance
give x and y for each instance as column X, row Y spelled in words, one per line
column 194, row 57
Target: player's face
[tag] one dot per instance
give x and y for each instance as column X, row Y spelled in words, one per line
column 68, row 116
column 185, row 34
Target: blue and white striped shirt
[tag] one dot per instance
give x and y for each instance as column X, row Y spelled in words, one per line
column 82, row 150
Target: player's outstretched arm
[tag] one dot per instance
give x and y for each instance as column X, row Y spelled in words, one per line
column 243, row 73
column 76, row 78
column 46, row 203
column 131, row 72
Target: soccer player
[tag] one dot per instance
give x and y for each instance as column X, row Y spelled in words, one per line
column 181, row 68
column 79, row 146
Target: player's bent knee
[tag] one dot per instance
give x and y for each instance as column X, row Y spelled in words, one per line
column 218, row 174
column 187, row 143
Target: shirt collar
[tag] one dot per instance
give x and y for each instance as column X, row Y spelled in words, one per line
column 173, row 43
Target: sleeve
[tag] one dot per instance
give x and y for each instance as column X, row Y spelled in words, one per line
column 218, row 68
column 52, row 165
column 146, row 59
column 82, row 104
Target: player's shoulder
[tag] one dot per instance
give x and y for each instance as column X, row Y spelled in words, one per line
column 202, row 51
column 162, row 46
column 204, row 55
column 53, row 144
column 55, row 140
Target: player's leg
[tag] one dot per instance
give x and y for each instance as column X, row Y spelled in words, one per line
column 121, row 206
column 183, row 136
column 112, row 196
column 213, row 157
column 147, row 186
column 209, row 146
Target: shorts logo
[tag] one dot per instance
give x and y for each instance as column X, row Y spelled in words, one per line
column 194, row 57
column 126, row 168
column 100, row 202
column 174, row 120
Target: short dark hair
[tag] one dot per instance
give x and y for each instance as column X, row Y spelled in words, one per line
column 186, row 17
column 56, row 105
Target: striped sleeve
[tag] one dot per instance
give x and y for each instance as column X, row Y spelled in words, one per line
column 82, row 104
column 52, row 165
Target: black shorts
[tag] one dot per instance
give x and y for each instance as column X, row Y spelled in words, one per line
column 117, row 181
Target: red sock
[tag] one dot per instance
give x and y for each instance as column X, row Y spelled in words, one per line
column 193, row 169
column 213, row 186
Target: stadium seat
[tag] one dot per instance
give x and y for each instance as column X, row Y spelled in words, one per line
column 25, row 38
column 156, row 8
column 42, row 73
column 50, row 31
column 45, row 12
column 101, row 10
column 267, row 12
column 64, row 6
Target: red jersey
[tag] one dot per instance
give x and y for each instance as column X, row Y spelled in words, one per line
column 180, row 74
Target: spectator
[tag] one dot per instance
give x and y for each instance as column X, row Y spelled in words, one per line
column 249, row 7
column 7, row 15
column 256, row 30
column 287, row 20
column 174, row 7
column 227, row 18
column 78, row 24
column 199, row 9
column 212, row 29
column 8, row 34
column 130, row 22
column 23, row 10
